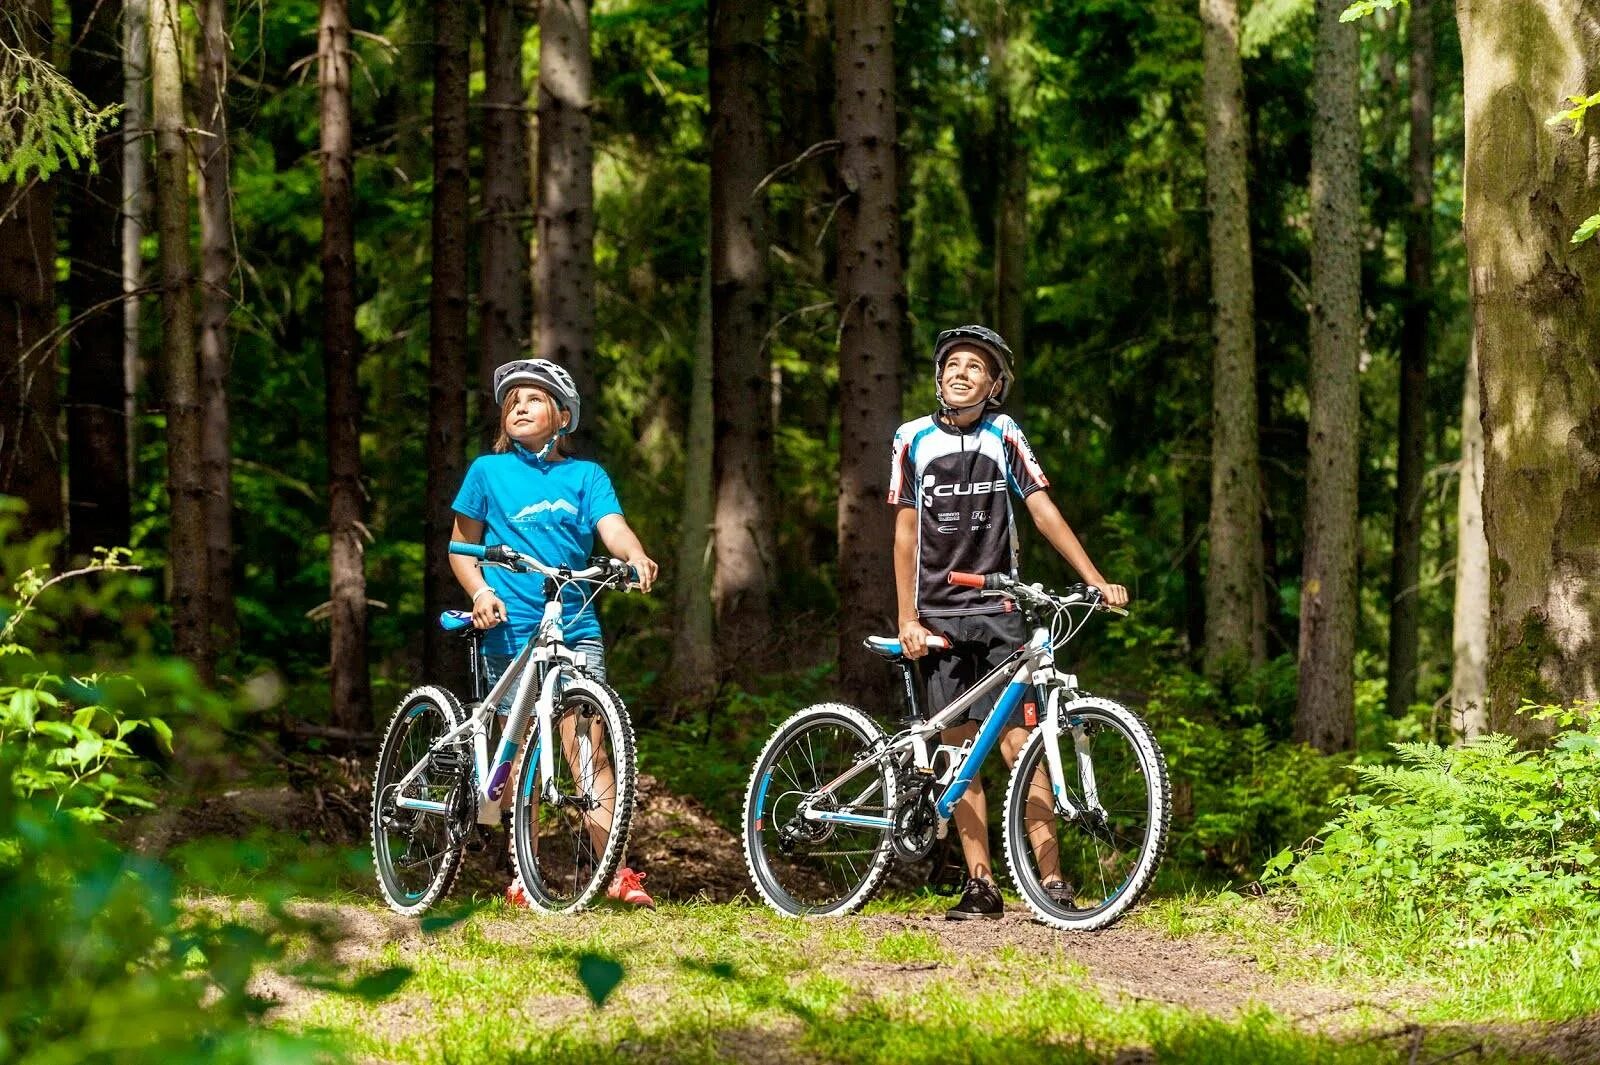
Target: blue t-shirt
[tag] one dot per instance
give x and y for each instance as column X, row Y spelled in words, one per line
column 548, row 510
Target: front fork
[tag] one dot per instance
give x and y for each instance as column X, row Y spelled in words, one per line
column 1051, row 726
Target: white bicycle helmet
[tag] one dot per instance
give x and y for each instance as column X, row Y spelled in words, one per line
column 986, row 340
column 541, row 373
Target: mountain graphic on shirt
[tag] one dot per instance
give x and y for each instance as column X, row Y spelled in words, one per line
column 542, row 507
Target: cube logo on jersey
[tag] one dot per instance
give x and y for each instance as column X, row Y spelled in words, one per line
column 932, row 490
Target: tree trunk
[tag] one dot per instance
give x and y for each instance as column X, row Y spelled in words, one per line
column 349, row 688
column 216, row 303
column 1469, row 715
column 1536, row 311
column 504, row 327
column 871, row 309
column 98, row 495
column 564, row 267
column 740, row 313
column 135, row 206
column 1011, row 198
column 1404, row 599
column 30, row 448
column 187, row 576
column 1235, row 578
column 1325, row 712
column 694, row 662
column 447, row 351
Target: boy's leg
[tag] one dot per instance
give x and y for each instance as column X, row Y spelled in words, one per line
column 971, row 814
column 1039, row 810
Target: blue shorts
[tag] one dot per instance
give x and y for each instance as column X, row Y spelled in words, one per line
column 594, row 664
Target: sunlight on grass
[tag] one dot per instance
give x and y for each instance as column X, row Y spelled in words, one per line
column 709, row 983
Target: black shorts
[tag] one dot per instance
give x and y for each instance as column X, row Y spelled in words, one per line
column 982, row 642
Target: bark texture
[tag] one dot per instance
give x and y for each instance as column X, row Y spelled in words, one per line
column 97, row 391
column 1536, row 312
column 871, row 304
column 186, row 544
column 504, row 328
column 740, row 311
column 1415, row 341
column 217, row 295
column 1011, row 195
column 30, row 448
column 1235, row 581
column 564, row 268
column 447, row 344
column 1325, row 712
column 1469, row 715
column 694, row 664
column 135, row 201
column 349, row 688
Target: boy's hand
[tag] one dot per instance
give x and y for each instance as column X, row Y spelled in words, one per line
column 913, row 638
column 1113, row 594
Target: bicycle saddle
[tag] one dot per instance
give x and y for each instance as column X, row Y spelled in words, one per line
column 457, row 621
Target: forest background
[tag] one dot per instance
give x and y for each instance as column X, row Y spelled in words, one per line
column 1273, row 275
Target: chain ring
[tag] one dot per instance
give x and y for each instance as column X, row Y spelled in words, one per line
column 915, row 825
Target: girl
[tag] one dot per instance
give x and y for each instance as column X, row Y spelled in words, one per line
column 530, row 496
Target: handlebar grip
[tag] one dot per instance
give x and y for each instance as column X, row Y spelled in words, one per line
column 470, row 550
column 966, row 580
column 938, row 643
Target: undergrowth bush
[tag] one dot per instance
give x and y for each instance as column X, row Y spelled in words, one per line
column 1483, row 836
column 102, row 960
column 1242, row 790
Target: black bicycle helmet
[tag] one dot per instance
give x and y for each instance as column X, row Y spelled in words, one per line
column 987, row 341
column 541, row 373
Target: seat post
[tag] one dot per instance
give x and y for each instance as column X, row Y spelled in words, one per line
column 475, row 665
column 908, row 676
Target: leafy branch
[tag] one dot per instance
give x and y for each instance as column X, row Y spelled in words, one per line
column 1362, row 8
column 33, row 584
column 44, row 121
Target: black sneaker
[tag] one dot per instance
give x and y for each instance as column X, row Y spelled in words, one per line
column 979, row 901
column 1062, row 893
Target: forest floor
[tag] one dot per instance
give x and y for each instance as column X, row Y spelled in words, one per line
column 710, row 976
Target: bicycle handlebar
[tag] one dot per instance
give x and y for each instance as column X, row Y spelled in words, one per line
column 509, row 558
column 1002, row 583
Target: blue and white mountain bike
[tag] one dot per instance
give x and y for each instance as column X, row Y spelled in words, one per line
column 437, row 790
column 833, row 798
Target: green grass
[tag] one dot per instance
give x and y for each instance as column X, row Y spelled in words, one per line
column 1548, row 974
column 712, row 983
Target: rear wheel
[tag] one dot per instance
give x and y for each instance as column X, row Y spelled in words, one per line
column 568, row 850
column 808, row 868
column 1116, row 779
column 417, row 853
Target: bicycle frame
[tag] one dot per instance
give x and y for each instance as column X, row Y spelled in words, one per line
column 1031, row 665
column 546, row 649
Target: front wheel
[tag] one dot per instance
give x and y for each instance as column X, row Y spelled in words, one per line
column 1082, row 870
column 801, row 866
column 416, row 853
column 567, row 850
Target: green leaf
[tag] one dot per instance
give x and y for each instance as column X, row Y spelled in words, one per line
column 440, row 921
column 163, row 733
column 1362, row 8
column 599, row 975
column 1590, row 227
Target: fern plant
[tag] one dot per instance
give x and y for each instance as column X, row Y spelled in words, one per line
column 1482, row 835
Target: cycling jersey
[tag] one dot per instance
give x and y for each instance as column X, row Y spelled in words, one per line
column 960, row 482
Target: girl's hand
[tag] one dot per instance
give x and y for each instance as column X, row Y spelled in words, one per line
column 487, row 609
column 646, row 568
column 1113, row 594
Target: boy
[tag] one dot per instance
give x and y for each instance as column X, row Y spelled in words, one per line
column 952, row 476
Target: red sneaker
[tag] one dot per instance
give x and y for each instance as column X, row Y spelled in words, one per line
column 628, row 886
column 516, row 894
